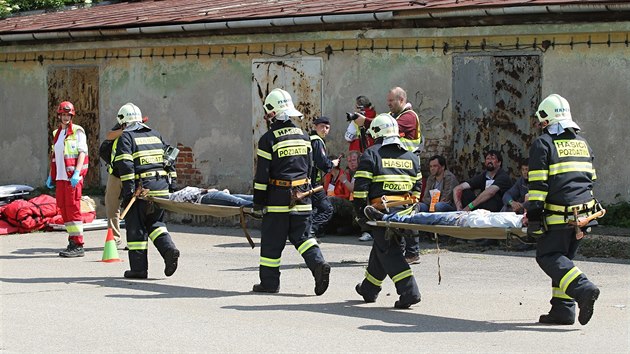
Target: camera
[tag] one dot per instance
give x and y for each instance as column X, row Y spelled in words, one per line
column 350, row 116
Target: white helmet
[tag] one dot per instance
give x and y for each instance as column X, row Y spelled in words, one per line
column 279, row 101
column 383, row 126
column 129, row 113
column 553, row 109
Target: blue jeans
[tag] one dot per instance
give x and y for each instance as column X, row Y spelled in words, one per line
column 222, row 198
column 439, row 207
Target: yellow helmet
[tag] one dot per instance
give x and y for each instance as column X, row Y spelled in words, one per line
column 279, row 101
column 129, row 113
column 553, row 109
column 383, row 126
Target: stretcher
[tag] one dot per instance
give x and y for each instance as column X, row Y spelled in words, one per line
column 467, row 233
column 10, row 192
column 219, row 211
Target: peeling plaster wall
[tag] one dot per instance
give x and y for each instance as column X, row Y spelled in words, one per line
column 204, row 103
column 597, row 85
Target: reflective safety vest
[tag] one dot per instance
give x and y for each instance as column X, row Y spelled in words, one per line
column 416, row 142
column 561, row 176
column 386, row 170
column 70, row 151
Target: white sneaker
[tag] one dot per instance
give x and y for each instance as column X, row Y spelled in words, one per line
column 365, row 237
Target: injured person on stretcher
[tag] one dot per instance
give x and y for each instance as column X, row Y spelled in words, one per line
column 212, row 196
column 476, row 218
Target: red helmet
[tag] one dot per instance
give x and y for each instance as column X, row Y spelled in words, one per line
column 66, row 107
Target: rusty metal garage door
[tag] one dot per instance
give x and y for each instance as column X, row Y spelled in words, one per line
column 78, row 85
column 495, row 97
column 301, row 77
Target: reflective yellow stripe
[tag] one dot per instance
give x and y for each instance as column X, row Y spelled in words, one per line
column 293, row 142
column 536, row 195
column 416, row 194
column 173, row 174
column 157, row 232
column 127, row 177
column 160, row 193
column 147, row 140
column 568, row 278
column 306, row 245
column 363, row 174
column 555, row 219
column 153, row 152
column 260, row 186
column 558, row 293
column 538, row 175
column 151, row 174
column 74, row 228
column 394, row 178
column 270, row 262
column 263, row 154
column 286, row 209
column 137, row 246
column 123, row 157
column 372, row 279
column 594, row 175
column 572, row 166
column 402, row 275
column 562, row 208
column 360, row 194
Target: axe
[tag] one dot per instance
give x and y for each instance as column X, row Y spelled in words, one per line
column 139, row 191
column 297, row 196
column 582, row 222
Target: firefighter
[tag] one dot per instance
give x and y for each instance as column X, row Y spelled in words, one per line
column 282, row 169
column 139, row 158
column 322, row 209
column 68, row 167
column 561, row 176
column 387, row 169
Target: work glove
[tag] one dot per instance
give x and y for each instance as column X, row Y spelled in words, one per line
column 535, row 229
column 74, row 180
column 49, row 183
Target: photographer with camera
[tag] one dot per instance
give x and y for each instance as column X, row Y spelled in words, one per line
column 359, row 122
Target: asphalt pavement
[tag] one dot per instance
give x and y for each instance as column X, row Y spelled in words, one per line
column 485, row 302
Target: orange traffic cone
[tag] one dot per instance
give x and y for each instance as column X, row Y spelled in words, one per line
column 110, row 252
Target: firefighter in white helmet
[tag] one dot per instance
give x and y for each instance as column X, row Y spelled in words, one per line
column 387, row 169
column 282, row 169
column 561, row 176
column 139, row 158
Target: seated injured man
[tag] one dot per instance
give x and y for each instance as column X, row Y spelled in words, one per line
column 212, row 196
column 475, row 218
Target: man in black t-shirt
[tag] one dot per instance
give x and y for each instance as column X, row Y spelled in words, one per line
column 492, row 183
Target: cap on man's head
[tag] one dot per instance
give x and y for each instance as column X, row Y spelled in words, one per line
column 321, row 120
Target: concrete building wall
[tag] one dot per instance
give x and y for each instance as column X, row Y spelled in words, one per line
column 203, row 102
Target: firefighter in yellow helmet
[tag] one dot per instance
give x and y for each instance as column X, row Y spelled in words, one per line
column 561, row 176
column 386, row 169
column 139, row 158
column 283, row 168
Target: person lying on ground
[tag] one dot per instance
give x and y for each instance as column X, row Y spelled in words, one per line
column 212, row 196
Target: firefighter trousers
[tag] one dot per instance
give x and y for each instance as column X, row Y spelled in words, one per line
column 386, row 259
column 275, row 229
column 144, row 221
column 555, row 250
column 321, row 214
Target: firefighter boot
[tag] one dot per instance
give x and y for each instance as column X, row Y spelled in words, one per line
column 135, row 274
column 170, row 261
column 73, row 250
column 322, row 277
column 366, row 298
column 259, row 288
column 562, row 312
column 586, row 304
column 409, row 293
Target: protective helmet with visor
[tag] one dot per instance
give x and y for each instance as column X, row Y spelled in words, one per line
column 385, row 126
column 129, row 113
column 279, row 102
column 66, row 107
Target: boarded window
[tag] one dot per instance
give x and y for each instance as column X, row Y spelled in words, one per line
column 78, row 85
